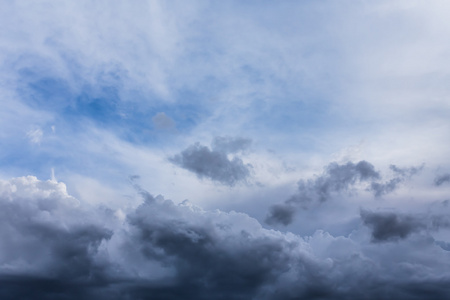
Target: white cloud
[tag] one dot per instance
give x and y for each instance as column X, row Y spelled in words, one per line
column 35, row 135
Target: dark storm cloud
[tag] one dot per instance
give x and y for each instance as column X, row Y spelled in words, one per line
column 211, row 258
column 217, row 255
column 392, row 226
column 53, row 241
column 441, row 179
column 54, row 249
column 215, row 164
column 335, row 179
column 388, row 226
column 281, row 214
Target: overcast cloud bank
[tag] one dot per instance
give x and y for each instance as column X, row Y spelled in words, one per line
column 54, row 248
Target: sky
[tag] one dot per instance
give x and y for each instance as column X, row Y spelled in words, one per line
column 224, row 150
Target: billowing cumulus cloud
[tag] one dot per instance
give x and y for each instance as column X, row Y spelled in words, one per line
column 49, row 243
column 214, row 163
column 53, row 248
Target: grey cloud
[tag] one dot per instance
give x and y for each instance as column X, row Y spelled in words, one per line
column 162, row 121
column 441, row 179
column 380, row 189
column 49, row 245
column 281, row 214
column 443, row 245
column 215, row 164
column 54, row 249
column 391, row 226
column 337, row 178
column 438, row 222
column 217, row 255
column 212, row 257
column 228, row 144
column 406, row 172
column 340, row 177
column 388, row 226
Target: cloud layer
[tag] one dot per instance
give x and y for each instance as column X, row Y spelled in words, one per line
column 92, row 92
column 53, row 248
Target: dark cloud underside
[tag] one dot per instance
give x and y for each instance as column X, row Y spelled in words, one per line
column 390, row 226
column 53, row 249
column 215, row 164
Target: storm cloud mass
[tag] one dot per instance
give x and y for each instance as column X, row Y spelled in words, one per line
column 53, row 248
column 224, row 150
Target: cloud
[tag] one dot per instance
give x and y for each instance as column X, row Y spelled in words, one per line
column 335, row 179
column 55, row 248
column 47, row 239
column 380, row 189
column 215, row 254
column 162, row 121
column 391, row 226
column 229, row 144
column 281, row 214
column 219, row 255
column 35, row 135
column 215, row 164
column 441, row 179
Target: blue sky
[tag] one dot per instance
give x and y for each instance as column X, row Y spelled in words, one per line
column 317, row 124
